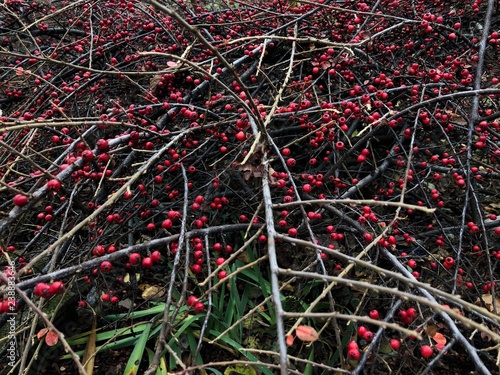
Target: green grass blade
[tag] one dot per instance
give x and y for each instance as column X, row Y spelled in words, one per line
column 134, row 361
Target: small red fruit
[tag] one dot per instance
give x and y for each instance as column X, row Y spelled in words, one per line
column 196, row 268
column 9, row 306
column 167, row 224
column 353, row 354
column 367, row 237
column 222, row 274
column 54, row 185
column 240, row 136
column 106, row 266
column 362, row 330
column 411, row 312
column 374, row 314
column 352, row 345
column 20, row 200
column 134, row 259
column 426, row 351
column 147, row 262
column 199, row 307
column 192, row 300
column 368, row 336
column 105, row 297
column 219, row 261
column 57, row 287
column 156, row 256
column 395, row 344
column 42, row 290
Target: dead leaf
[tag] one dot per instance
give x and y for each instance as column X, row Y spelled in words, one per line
column 51, row 338
column 151, row 291
column 440, row 341
column 487, row 299
column 89, row 354
column 306, row 333
column 154, row 81
column 42, row 333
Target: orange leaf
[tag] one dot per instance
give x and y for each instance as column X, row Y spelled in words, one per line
column 289, row 340
column 51, row 338
column 306, row 333
column 42, row 333
column 440, row 341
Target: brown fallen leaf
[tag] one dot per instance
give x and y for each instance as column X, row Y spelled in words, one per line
column 306, row 333
column 90, row 350
column 151, row 291
column 42, row 333
column 486, row 300
column 440, row 341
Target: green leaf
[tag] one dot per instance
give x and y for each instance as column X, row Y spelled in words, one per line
column 215, row 371
column 240, row 369
column 134, row 361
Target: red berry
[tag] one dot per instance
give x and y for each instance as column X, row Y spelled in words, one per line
column 102, row 145
column 167, row 224
column 240, row 136
column 368, row 336
column 42, row 290
column 285, row 152
column 352, row 345
column 353, row 354
column 374, row 314
column 395, row 344
column 411, row 312
column 192, row 300
column 87, row 155
column 426, row 351
column 106, row 266
column 105, row 297
column 147, row 262
column 196, row 268
column 20, row 200
column 222, row 274
column 362, row 330
column 9, row 306
column 134, row 259
column 57, row 287
column 199, row 307
column 219, row 261
column 291, row 162
column 54, row 185
column 156, row 256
